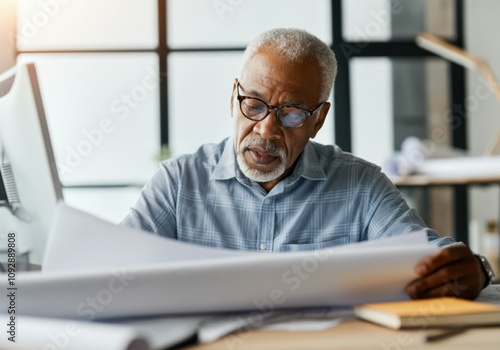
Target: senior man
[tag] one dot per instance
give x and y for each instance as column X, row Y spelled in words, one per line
column 269, row 187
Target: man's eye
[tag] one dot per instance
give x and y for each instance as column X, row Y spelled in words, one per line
column 255, row 106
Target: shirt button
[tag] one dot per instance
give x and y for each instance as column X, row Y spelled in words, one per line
column 267, row 201
column 263, row 246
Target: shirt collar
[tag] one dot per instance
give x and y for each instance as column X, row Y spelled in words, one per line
column 311, row 168
column 226, row 167
column 308, row 165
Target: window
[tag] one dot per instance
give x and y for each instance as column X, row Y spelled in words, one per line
column 119, row 77
column 99, row 74
column 127, row 72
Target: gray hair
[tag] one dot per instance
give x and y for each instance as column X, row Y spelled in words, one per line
column 295, row 45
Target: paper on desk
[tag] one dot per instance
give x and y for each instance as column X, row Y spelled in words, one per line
column 315, row 319
column 164, row 332
column 43, row 333
column 490, row 294
column 219, row 281
column 135, row 334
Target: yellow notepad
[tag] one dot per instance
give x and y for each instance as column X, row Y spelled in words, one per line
column 425, row 313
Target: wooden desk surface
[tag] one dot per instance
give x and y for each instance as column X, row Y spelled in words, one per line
column 423, row 180
column 355, row 335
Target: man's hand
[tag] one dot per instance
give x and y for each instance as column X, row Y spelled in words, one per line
column 452, row 271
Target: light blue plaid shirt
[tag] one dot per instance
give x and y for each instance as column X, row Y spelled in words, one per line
column 331, row 198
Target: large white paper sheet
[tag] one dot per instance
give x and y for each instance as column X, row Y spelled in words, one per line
column 210, row 280
column 80, row 241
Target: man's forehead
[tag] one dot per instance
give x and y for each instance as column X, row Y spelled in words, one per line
column 257, row 84
column 273, row 56
column 266, row 72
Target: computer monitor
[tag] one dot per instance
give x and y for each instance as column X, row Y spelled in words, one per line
column 30, row 186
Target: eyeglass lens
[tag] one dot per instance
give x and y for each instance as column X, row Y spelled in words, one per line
column 289, row 116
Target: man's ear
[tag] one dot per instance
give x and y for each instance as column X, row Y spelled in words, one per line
column 233, row 94
column 321, row 119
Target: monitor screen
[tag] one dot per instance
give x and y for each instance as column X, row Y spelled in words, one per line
column 30, row 186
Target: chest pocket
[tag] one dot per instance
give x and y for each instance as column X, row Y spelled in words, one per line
column 337, row 241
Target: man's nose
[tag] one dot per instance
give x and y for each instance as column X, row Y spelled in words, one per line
column 269, row 128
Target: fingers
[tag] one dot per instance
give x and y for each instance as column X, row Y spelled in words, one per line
column 443, row 257
column 445, row 282
column 452, row 271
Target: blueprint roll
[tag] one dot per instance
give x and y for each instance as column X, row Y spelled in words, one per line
column 461, row 167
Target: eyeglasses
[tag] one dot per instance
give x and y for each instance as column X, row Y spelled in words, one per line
column 287, row 116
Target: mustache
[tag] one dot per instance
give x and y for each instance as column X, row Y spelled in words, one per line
column 261, row 143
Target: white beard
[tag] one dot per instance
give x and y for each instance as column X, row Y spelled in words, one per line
column 255, row 174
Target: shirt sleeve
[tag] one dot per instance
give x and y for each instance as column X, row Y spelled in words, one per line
column 388, row 213
column 155, row 210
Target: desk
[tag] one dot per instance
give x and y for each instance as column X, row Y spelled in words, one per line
column 356, row 335
column 423, row 180
column 460, row 204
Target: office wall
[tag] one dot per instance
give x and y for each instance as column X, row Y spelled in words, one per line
column 481, row 29
column 7, row 30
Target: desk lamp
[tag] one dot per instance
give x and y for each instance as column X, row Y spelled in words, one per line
column 459, row 56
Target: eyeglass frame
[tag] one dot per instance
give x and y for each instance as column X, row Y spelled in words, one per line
column 241, row 98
